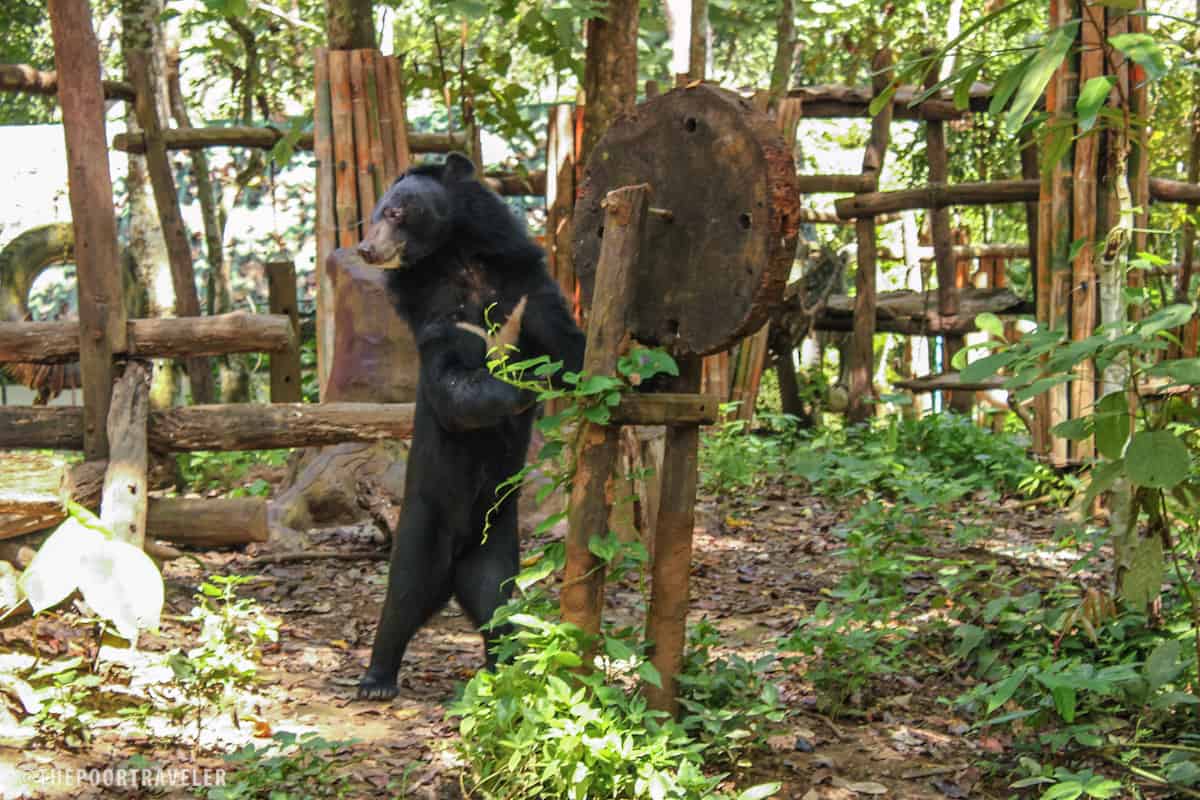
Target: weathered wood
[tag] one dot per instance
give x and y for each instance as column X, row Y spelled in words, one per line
column 361, row 137
column 666, row 618
column 915, row 313
column 168, row 337
column 377, row 163
column 266, row 138
column 1169, row 191
column 947, row 381
column 817, row 184
column 711, row 271
column 387, row 120
column 961, row 194
column 126, row 485
column 832, row 102
column 582, row 596
column 666, row 409
column 815, row 216
column 862, row 345
column 285, row 363
column 166, row 199
column 208, row 522
column 1139, row 157
column 29, row 80
column 939, row 218
column 515, row 183
column 560, row 196
column 972, row 251
column 342, row 132
column 101, row 305
column 327, row 224
column 1030, row 172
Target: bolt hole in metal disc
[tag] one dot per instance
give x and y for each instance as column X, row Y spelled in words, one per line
column 712, row 268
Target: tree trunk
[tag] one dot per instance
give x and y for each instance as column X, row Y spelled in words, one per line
column 350, row 24
column 610, row 76
column 147, row 247
column 785, row 46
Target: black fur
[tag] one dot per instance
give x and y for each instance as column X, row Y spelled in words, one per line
column 471, row 430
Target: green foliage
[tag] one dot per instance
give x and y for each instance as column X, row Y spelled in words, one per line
column 205, row 470
column 730, row 705
column 232, row 632
column 291, row 767
column 732, row 458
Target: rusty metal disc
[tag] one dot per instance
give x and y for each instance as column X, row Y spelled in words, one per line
column 714, row 264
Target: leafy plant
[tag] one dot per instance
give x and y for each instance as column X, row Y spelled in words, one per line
column 292, row 767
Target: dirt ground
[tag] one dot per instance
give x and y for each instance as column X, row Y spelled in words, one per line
column 758, row 569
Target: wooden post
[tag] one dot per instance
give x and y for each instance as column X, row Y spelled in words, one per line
column 342, row 133
column 666, row 619
column 377, row 164
column 560, row 195
column 582, row 595
column 395, row 87
column 381, row 75
column 360, row 136
column 101, row 306
column 862, row 349
column 285, row 367
column 1139, row 153
column 125, row 494
column 166, row 198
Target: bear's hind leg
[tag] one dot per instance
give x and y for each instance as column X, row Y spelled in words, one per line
column 483, row 577
column 420, row 580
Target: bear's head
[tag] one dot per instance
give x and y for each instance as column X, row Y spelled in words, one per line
column 415, row 217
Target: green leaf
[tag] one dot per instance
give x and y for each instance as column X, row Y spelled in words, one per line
column 1112, row 425
column 1042, row 385
column 966, row 79
column 1171, row 316
column 1184, row 370
column 1102, row 479
column 1162, row 666
column 1143, row 49
column 1047, row 59
column 1157, row 459
column 1142, row 582
column 882, row 99
column 990, row 323
column 1008, row 84
column 649, row 673
column 1073, row 429
column 617, row 649
column 986, row 366
column 760, row 791
column 1005, row 690
column 1064, row 702
column 1094, row 93
column 1067, row 790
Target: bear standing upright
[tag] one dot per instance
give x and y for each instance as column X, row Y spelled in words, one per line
column 456, row 251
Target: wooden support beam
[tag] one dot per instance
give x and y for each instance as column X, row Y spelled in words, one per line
column 817, row 184
column 1169, row 191
column 915, row 313
column 666, row 409
column 515, row 184
column 582, row 597
column 862, row 346
column 166, row 337
column 946, row 381
column 815, row 216
column 30, row 80
column 166, row 199
column 266, row 138
column 126, row 484
column 832, row 102
column 286, row 382
column 101, row 303
column 961, row 194
column 208, row 522
column 666, row 618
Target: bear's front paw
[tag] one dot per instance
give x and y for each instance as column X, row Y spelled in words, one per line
column 375, row 688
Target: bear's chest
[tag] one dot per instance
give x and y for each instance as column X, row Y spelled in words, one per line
column 473, row 295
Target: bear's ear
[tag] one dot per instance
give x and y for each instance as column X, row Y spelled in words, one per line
column 457, row 168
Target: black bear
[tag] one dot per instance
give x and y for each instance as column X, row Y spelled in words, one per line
column 456, row 251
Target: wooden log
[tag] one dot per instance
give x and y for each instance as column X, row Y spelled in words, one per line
column 327, row 225
column 29, row 80
column 962, row 194
column 265, row 138
column 361, row 137
column 286, row 385
column 345, row 187
column 166, row 199
column 1169, row 191
column 387, row 120
column 167, row 337
column 817, row 184
column 915, row 313
column 947, row 381
column 666, row 618
column 815, row 216
column 862, row 346
column 831, row 102
column 516, row 184
column 126, row 486
column 407, row 142
column 582, row 596
column 101, row 305
column 208, row 522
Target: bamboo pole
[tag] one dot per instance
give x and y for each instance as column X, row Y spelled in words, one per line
column 387, row 119
column 362, row 139
column 377, row 163
column 101, row 304
column 342, row 134
column 582, row 597
column 327, row 221
column 405, row 141
column 265, row 138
